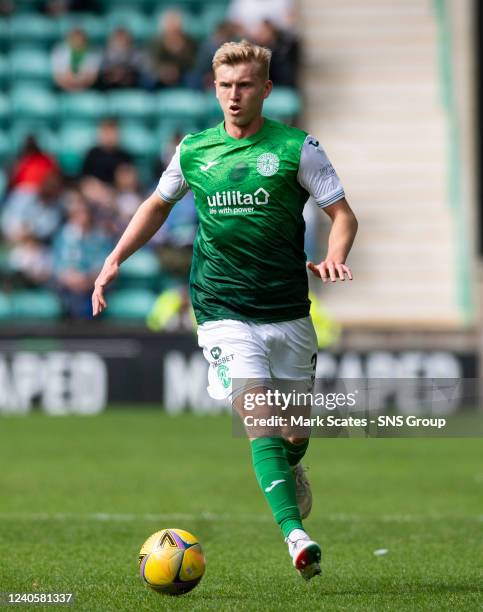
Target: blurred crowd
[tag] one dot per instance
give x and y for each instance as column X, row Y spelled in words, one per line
column 58, row 231
column 55, row 231
column 172, row 57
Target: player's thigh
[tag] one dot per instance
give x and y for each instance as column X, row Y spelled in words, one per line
column 259, row 417
column 237, row 359
column 293, row 361
column 293, row 352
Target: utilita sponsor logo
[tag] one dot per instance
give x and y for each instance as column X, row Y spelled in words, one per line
column 237, row 198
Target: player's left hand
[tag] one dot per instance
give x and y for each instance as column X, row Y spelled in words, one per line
column 330, row 270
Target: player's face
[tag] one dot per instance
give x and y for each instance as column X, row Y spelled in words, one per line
column 241, row 91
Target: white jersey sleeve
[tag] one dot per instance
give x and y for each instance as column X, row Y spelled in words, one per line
column 317, row 175
column 172, row 185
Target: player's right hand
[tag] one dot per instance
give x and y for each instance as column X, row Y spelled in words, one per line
column 330, row 270
column 109, row 271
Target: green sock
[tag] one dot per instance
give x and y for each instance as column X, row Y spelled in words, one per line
column 295, row 452
column 276, row 481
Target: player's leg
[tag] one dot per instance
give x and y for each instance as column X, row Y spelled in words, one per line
column 293, row 357
column 239, row 366
column 233, row 351
column 293, row 360
column 278, row 484
column 272, row 470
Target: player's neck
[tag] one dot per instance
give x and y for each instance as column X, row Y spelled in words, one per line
column 238, row 131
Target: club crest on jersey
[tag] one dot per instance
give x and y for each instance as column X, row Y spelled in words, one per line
column 268, row 164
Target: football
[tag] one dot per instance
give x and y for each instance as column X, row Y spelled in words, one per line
column 171, row 561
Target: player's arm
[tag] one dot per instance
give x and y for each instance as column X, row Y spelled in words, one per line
column 341, row 238
column 148, row 218
column 318, row 176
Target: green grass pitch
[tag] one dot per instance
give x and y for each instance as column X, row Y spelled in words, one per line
column 79, row 495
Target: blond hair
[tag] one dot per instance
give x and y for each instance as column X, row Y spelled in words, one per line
column 234, row 53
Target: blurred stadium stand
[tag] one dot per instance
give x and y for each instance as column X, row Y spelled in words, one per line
column 381, row 117
column 65, row 124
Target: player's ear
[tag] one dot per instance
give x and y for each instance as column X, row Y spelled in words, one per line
column 267, row 89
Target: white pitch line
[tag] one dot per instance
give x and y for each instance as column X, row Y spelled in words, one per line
column 208, row 516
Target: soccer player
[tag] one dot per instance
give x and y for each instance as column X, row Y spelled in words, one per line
column 251, row 178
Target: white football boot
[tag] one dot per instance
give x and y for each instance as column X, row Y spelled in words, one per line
column 303, row 490
column 305, row 553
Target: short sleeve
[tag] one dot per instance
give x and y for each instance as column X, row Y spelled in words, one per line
column 91, row 63
column 317, row 175
column 172, row 185
column 59, row 60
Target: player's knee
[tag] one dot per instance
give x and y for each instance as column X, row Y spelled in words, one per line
column 296, row 440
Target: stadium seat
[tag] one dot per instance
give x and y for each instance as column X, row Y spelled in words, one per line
column 139, row 141
column 130, row 304
column 189, row 7
column 138, row 24
column 4, row 35
column 31, row 28
column 212, row 111
column 74, row 139
column 36, row 304
column 28, row 6
column 32, row 64
column 3, row 180
column 212, row 15
column 283, row 104
column 5, row 153
column 22, row 128
column 5, row 307
column 34, row 103
column 145, row 6
column 180, row 104
column 141, row 270
column 132, row 104
column 4, row 262
column 83, row 105
column 4, row 109
column 93, row 25
column 4, row 69
column 167, row 129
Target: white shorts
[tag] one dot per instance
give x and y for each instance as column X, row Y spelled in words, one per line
column 257, row 352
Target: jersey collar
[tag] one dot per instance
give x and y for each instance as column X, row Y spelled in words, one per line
column 243, row 141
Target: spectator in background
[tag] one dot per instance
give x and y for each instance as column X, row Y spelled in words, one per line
column 78, row 254
column 55, row 8
column 121, row 64
column 250, row 13
column 7, row 8
column 38, row 215
column 128, row 195
column 172, row 53
column 224, row 31
column 285, row 52
column 74, row 65
column 31, row 167
column 102, row 160
column 29, row 262
column 99, row 171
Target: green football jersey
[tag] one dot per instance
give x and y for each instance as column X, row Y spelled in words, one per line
column 248, row 257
